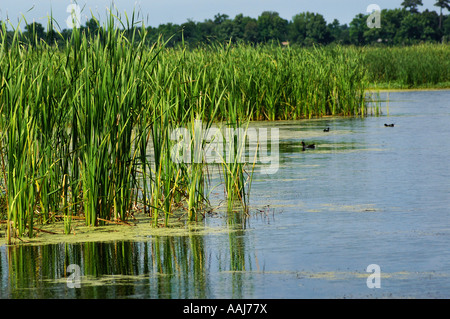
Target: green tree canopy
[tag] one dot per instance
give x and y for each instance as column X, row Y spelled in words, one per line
column 244, row 28
column 398, row 26
column 442, row 4
column 338, row 33
column 271, row 27
column 358, row 26
column 412, row 5
column 308, row 28
column 35, row 31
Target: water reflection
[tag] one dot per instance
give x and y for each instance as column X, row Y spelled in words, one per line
column 162, row 267
column 238, row 222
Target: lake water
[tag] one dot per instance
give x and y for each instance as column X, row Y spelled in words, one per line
column 368, row 194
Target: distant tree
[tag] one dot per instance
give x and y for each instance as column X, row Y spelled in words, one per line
column 388, row 33
column 167, row 32
column 220, row 18
column 411, row 29
column 308, row 28
column 225, row 31
column 297, row 29
column 239, row 29
column 190, row 32
column 392, row 19
column 271, row 27
column 34, row 31
column 338, row 33
column 51, row 34
column 334, row 29
column 373, row 35
column 442, row 4
column 251, row 32
column 92, row 25
column 398, row 27
column 66, row 33
column 412, row 5
column 446, row 28
column 206, row 30
column 431, row 30
column 358, row 26
column 223, row 27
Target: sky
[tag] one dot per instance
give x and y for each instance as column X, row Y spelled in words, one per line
column 155, row 13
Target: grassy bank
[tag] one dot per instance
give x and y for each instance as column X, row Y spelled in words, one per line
column 87, row 129
column 423, row 66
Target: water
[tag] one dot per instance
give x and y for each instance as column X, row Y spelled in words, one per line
column 368, row 194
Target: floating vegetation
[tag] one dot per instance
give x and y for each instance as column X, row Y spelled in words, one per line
column 358, row 208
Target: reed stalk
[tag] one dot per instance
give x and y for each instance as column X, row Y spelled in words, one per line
column 86, row 125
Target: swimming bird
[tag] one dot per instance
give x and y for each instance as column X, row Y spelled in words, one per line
column 389, row 125
column 326, row 129
column 310, row 146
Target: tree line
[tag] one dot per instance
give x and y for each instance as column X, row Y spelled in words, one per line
column 405, row 25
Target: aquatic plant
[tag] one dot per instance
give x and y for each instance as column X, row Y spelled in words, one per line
column 424, row 65
column 86, row 127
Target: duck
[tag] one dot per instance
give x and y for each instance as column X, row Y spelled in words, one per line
column 310, row 146
column 389, row 125
column 326, row 129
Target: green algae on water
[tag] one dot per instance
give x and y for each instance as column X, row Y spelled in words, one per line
column 136, row 230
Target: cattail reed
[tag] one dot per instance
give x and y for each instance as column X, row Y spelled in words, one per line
column 86, row 126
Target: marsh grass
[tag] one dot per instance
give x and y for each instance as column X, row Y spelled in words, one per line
column 78, row 122
column 274, row 83
column 418, row 66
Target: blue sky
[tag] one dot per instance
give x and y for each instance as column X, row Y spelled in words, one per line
column 178, row 11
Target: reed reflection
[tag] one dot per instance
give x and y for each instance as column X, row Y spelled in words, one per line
column 162, row 267
column 184, row 266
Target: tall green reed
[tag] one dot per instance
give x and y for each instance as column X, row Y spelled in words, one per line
column 424, row 65
column 86, row 126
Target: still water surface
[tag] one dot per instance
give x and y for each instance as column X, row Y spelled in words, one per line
column 368, row 194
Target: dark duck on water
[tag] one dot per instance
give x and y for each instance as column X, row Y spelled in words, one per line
column 310, row 146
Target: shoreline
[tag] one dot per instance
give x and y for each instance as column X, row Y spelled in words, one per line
column 407, row 90
column 444, row 87
column 137, row 229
